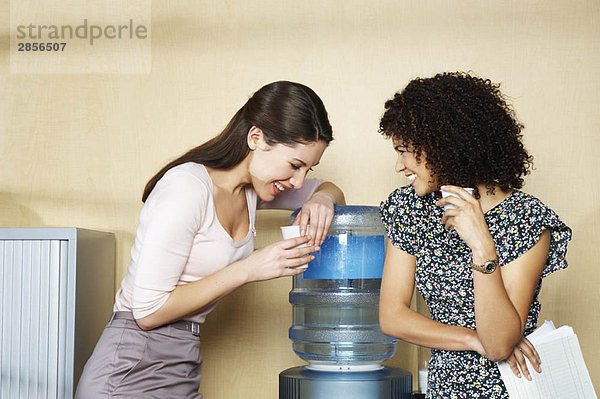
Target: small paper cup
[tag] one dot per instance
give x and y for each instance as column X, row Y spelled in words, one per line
column 292, row 232
column 447, row 194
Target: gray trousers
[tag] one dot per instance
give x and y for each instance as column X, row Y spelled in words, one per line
column 129, row 362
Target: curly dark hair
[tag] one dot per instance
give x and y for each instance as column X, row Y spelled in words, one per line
column 464, row 127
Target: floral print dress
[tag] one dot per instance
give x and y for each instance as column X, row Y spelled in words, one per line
column 444, row 277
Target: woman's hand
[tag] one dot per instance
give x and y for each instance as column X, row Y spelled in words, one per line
column 516, row 360
column 467, row 219
column 278, row 259
column 316, row 214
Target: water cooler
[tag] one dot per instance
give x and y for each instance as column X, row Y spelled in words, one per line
column 335, row 317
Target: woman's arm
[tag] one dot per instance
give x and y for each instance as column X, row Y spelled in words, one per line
column 169, row 221
column 332, row 191
column 397, row 319
column 275, row 260
column 502, row 298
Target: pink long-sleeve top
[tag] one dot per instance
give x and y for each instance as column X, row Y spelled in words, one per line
column 179, row 238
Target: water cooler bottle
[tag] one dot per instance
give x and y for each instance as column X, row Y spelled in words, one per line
column 335, row 317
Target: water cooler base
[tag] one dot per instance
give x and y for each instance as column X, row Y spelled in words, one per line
column 385, row 383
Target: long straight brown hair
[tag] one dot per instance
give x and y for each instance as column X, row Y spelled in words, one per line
column 286, row 112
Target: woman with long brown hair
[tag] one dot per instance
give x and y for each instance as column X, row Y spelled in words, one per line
column 194, row 242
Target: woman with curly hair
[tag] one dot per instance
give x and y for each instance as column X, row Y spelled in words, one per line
column 478, row 260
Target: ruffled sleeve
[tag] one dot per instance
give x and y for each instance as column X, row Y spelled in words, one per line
column 400, row 215
column 526, row 220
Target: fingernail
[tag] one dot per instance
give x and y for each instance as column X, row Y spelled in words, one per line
column 528, row 377
column 317, row 248
column 443, row 187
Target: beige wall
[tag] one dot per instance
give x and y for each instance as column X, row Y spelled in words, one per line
column 76, row 150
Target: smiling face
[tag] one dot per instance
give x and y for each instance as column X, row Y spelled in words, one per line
column 418, row 173
column 279, row 167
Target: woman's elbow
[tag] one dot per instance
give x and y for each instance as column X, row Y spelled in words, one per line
column 498, row 356
column 387, row 324
column 498, row 353
column 500, row 347
column 144, row 324
column 385, row 327
column 147, row 322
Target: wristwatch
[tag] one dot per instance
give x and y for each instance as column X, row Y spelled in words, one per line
column 487, row 268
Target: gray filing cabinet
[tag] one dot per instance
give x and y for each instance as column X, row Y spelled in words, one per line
column 56, row 294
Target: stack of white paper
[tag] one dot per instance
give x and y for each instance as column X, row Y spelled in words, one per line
column 564, row 374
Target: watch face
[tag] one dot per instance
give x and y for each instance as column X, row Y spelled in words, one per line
column 490, row 266
column 487, row 267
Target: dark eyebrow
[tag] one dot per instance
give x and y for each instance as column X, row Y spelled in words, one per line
column 304, row 163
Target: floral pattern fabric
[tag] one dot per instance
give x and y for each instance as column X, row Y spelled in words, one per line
column 444, row 277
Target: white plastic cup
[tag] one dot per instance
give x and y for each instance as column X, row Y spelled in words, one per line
column 292, row 232
column 447, row 194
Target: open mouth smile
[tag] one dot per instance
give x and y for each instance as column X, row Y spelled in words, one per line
column 279, row 187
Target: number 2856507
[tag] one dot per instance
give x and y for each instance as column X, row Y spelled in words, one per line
column 41, row 46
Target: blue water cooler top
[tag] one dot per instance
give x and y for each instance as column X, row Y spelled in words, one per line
column 354, row 247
